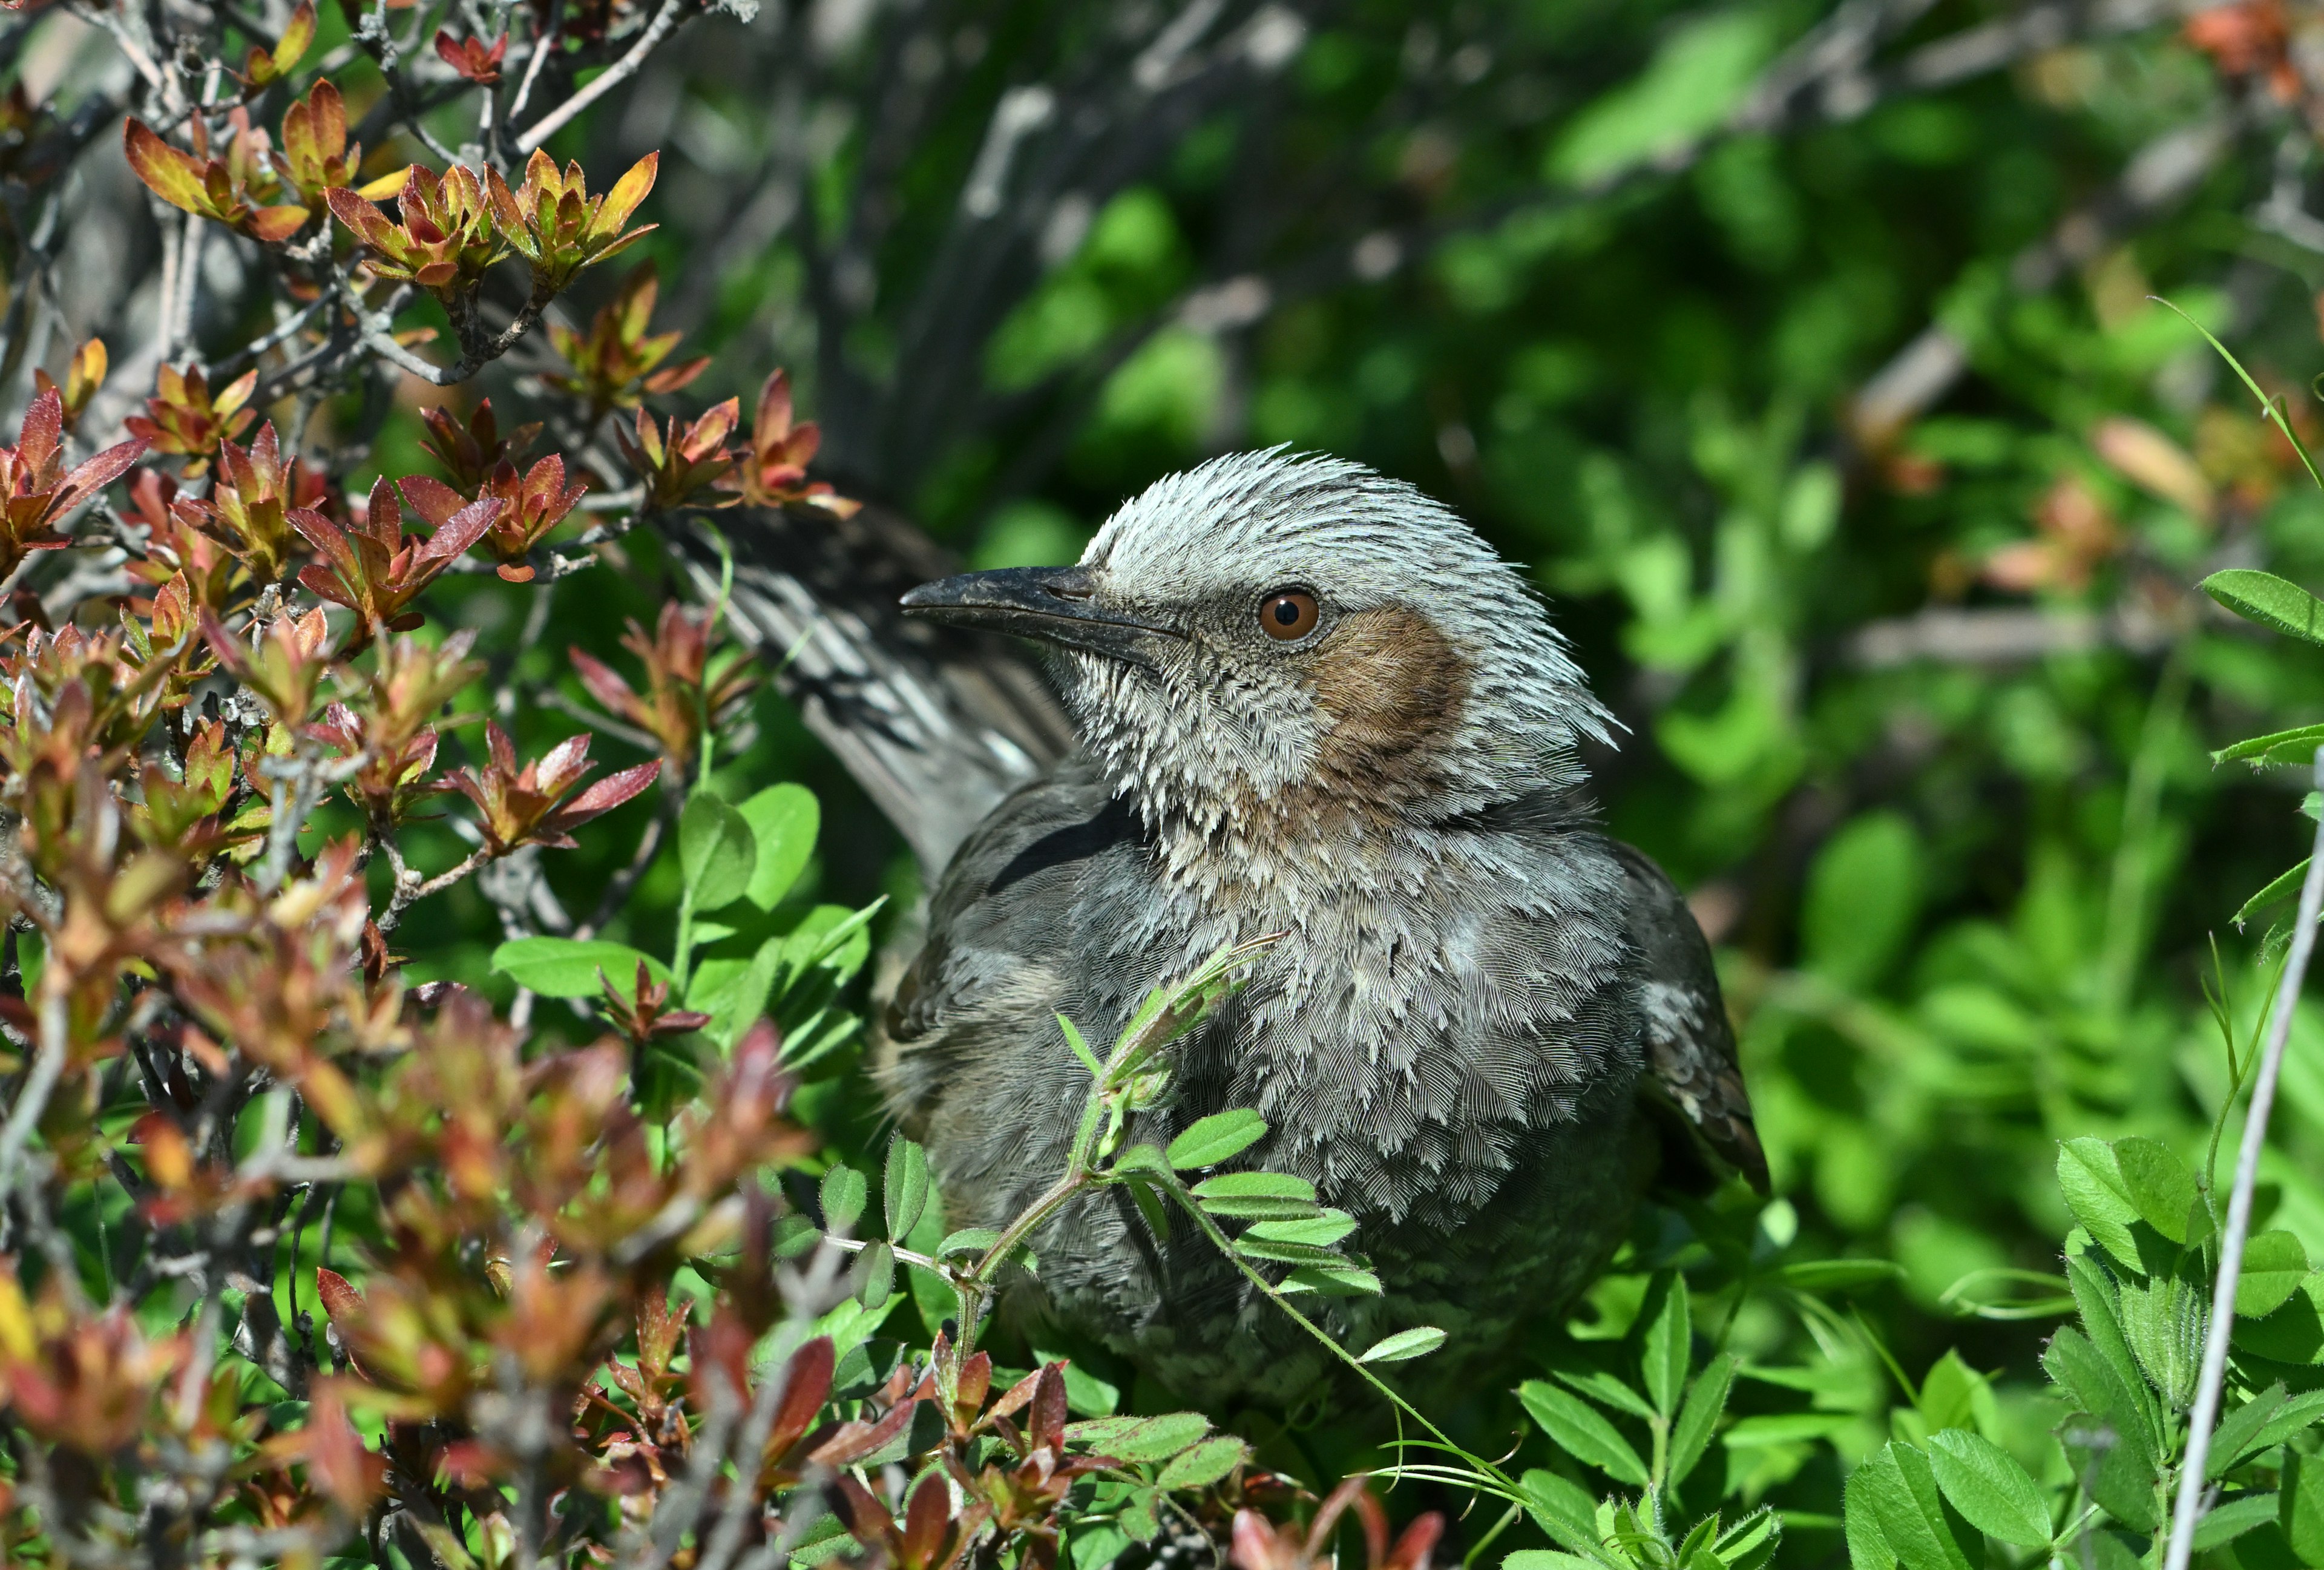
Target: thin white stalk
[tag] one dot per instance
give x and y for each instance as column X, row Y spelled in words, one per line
column 2189, row 1509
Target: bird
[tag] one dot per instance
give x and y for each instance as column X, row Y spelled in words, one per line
column 1309, row 700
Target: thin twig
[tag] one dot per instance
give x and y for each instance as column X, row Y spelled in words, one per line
column 613, row 76
column 2188, row 1509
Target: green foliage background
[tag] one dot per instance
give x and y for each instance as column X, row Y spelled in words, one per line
column 1966, row 907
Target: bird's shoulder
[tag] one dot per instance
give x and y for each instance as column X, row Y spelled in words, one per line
column 1003, row 910
column 1693, row 1080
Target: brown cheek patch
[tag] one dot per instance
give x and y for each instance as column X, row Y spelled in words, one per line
column 1394, row 687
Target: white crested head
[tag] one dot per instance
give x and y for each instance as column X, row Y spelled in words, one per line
column 1428, row 684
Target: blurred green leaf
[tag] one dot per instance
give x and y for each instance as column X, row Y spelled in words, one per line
column 1863, row 899
column 564, row 967
column 716, row 851
column 784, row 820
column 2302, row 1507
column 1698, row 1420
column 1697, row 75
column 1668, row 1347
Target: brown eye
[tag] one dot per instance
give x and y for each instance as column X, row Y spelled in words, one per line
column 1288, row 615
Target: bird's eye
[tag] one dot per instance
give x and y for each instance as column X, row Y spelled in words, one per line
column 1289, row 614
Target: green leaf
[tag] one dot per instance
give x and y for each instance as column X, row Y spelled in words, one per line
column 1862, row 899
column 2099, row 1388
column 564, row 967
column 1317, row 1232
column 2300, row 1509
column 2304, row 737
column 1217, row 1138
column 1601, row 1385
column 904, row 1187
column 1404, row 1345
column 1289, row 1253
column 1992, row 1492
column 968, row 1240
column 716, row 851
column 2275, row 1264
column 1698, row 75
column 2269, row 600
column 832, row 936
column 1563, row 1510
column 2280, row 1422
column 1204, row 1464
column 1547, row 1559
column 2165, row 1322
column 2282, row 888
column 2230, row 1518
column 2238, row 1434
column 1750, row 1542
column 1867, row 1546
column 1836, row 1275
column 1580, row 1430
column 1257, row 1196
column 1254, row 1186
column 1705, row 1400
column 845, row 1192
column 1139, row 1439
column 1081, row 1046
column 1668, row 1343
column 784, row 820
column 2294, row 1332
column 1900, row 1491
column 1331, row 1282
column 874, row 1275
column 2096, row 1296
column 2096, row 1193
column 2160, row 1187
column 735, row 1000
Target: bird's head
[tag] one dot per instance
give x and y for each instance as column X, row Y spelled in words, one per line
column 1277, row 645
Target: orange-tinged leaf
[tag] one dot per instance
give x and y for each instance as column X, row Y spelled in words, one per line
column 173, row 176
column 272, row 226
column 296, row 38
column 386, row 185
column 627, row 193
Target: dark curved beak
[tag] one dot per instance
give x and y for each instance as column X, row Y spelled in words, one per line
column 1054, row 604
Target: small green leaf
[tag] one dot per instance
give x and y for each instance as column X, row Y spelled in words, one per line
column 1669, row 1343
column 1331, row 1282
column 874, row 1275
column 784, row 820
column 1289, row 1253
column 968, row 1240
column 1317, row 1232
column 1220, row 1137
column 2275, row 1264
column 1901, row 1489
column 2282, row 888
column 844, row 1194
column 1563, row 1510
column 1202, row 1464
column 564, row 967
column 716, row 851
column 904, row 1187
column 1254, row 1186
column 1081, row 1048
column 2096, row 1295
column 1138, row 1439
column 1404, row 1345
column 1257, row 1196
column 1705, row 1400
column 736, row 1001
column 2159, row 1186
column 1836, row 1275
column 2306, row 738
column 2269, row 600
column 1580, row 1430
column 1867, row 1546
column 2294, row 1332
column 2230, row 1518
column 1992, row 1492
column 2302, row 1507
column 2095, row 1192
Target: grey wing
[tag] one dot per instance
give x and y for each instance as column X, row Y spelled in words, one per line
column 1690, row 1067
column 989, row 974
